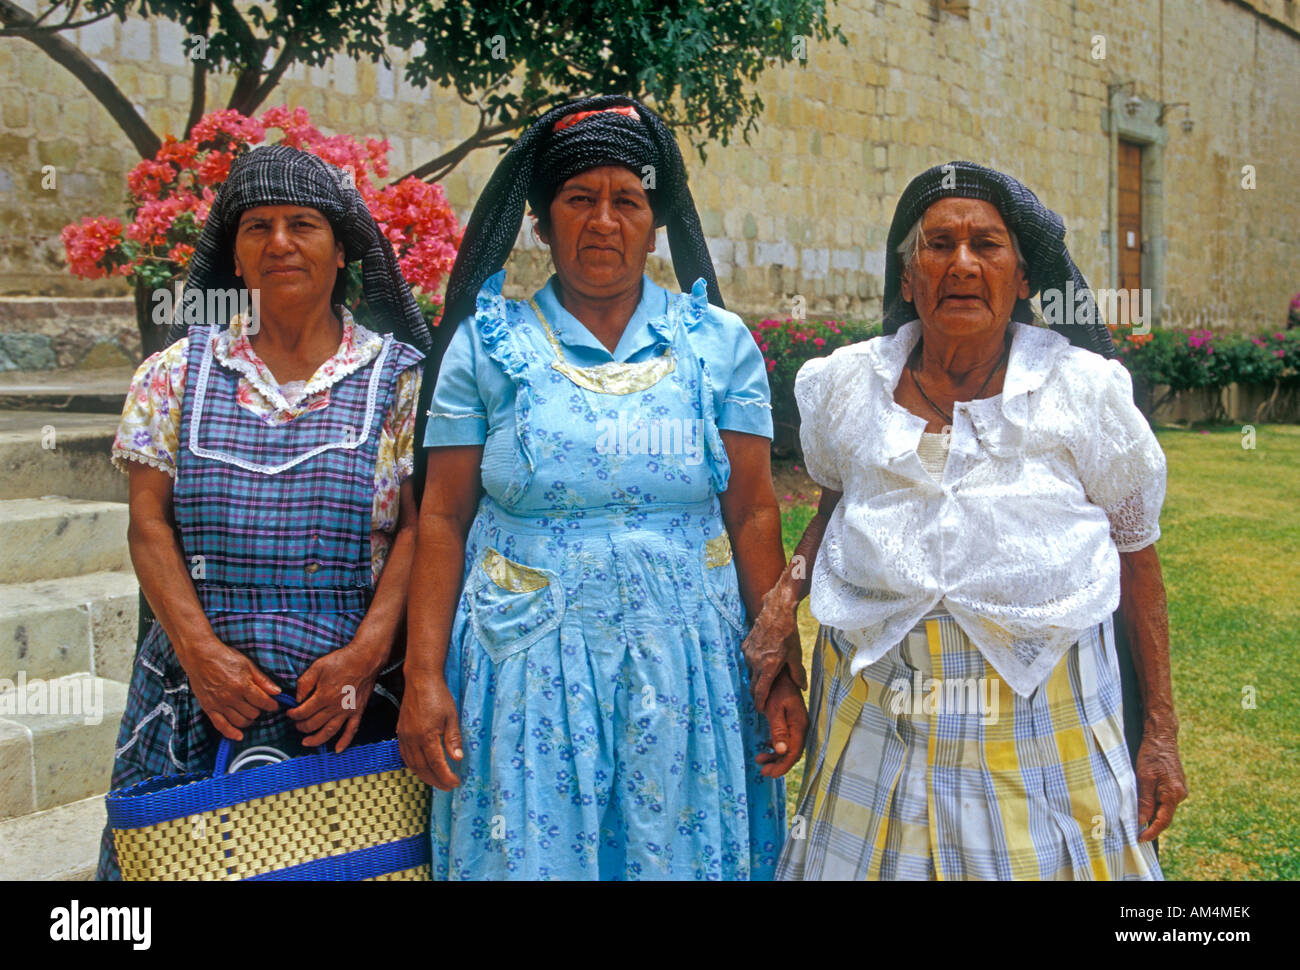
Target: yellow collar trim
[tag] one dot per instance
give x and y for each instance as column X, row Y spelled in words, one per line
column 613, row 378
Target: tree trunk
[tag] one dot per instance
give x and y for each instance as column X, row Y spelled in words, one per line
column 153, row 336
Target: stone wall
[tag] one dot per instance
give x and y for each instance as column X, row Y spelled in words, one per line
column 803, row 209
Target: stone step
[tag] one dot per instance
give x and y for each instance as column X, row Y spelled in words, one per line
column 61, row 844
column 57, row 627
column 53, row 537
column 100, row 391
column 56, row 741
column 47, row 452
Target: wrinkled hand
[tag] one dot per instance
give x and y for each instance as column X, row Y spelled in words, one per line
column 772, row 646
column 333, row 693
column 230, row 688
column 1160, row 782
column 787, row 718
column 427, row 725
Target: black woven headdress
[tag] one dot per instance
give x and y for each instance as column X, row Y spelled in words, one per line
column 280, row 175
column 542, row 160
column 1039, row 230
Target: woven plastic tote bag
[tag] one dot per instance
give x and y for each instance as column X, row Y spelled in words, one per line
column 360, row 814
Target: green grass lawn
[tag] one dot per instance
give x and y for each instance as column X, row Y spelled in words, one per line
column 1230, row 550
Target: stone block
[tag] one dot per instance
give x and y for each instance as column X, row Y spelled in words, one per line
column 15, row 112
column 26, row 351
column 59, row 845
column 51, row 538
column 72, row 737
column 17, row 794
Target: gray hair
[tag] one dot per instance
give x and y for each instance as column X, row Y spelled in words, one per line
column 910, row 247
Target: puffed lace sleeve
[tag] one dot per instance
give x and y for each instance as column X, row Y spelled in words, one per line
column 150, row 429
column 813, row 387
column 1120, row 462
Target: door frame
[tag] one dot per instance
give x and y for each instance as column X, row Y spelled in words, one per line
column 1141, row 128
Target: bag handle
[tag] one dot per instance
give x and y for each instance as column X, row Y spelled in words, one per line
column 224, row 749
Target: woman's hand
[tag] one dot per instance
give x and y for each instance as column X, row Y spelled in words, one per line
column 773, row 646
column 230, row 688
column 334, row 691
column 788, row 720
column 427, row 725
column 1160, row 782
column 753, row 520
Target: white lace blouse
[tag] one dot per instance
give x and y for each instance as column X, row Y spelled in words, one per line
column 1017, row 538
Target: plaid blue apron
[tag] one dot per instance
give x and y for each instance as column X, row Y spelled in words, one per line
column 274, row 524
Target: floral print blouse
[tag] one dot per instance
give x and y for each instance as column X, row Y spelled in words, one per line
column 149, row 431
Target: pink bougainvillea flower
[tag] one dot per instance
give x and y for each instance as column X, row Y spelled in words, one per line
column 218, row 127
column 148, row 179
column 86, row 244
column 294, row 122
column 413, row 215
column 154, row 219
column 181, row 253
column 204, row 207
column 214, row 168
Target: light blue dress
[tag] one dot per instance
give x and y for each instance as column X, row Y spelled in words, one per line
column 595, row 654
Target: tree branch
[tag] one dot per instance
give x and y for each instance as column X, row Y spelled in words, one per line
column 436, row 168
column 199, row 78
column 99, row 84
column 36, row 27
column 245, row 85
column 272, row 77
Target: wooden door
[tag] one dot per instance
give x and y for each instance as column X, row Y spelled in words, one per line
column 1130, row 222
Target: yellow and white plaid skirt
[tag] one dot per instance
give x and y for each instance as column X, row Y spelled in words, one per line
column 928, row 766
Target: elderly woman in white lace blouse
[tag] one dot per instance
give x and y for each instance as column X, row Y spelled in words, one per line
column 990, row 493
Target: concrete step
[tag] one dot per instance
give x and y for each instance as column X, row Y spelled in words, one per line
column 54, row 537
column 56, row 741
column 61, row 844
column 57, row 627
column 47, row 452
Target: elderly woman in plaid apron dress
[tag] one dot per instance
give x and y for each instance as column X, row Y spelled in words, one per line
column 271, row 518
column 991, row 493
column 578, row 693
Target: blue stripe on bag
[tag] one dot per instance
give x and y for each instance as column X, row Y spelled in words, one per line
column 178, row 796
column 361, row 864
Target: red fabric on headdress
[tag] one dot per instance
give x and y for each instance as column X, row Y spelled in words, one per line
column 573, row 119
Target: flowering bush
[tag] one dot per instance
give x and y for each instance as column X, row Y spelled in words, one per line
column 786, row 345
column 169, row 197
column 1187, row 359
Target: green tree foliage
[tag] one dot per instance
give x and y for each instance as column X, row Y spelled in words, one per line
column 694, row 60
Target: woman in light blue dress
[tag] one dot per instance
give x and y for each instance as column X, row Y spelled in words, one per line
column 598, row 472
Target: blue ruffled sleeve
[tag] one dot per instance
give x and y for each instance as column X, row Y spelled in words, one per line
column 747, row 401
column 742, row 395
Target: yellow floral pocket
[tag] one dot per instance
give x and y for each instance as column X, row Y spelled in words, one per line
column 512, row 605
column 721, row 585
